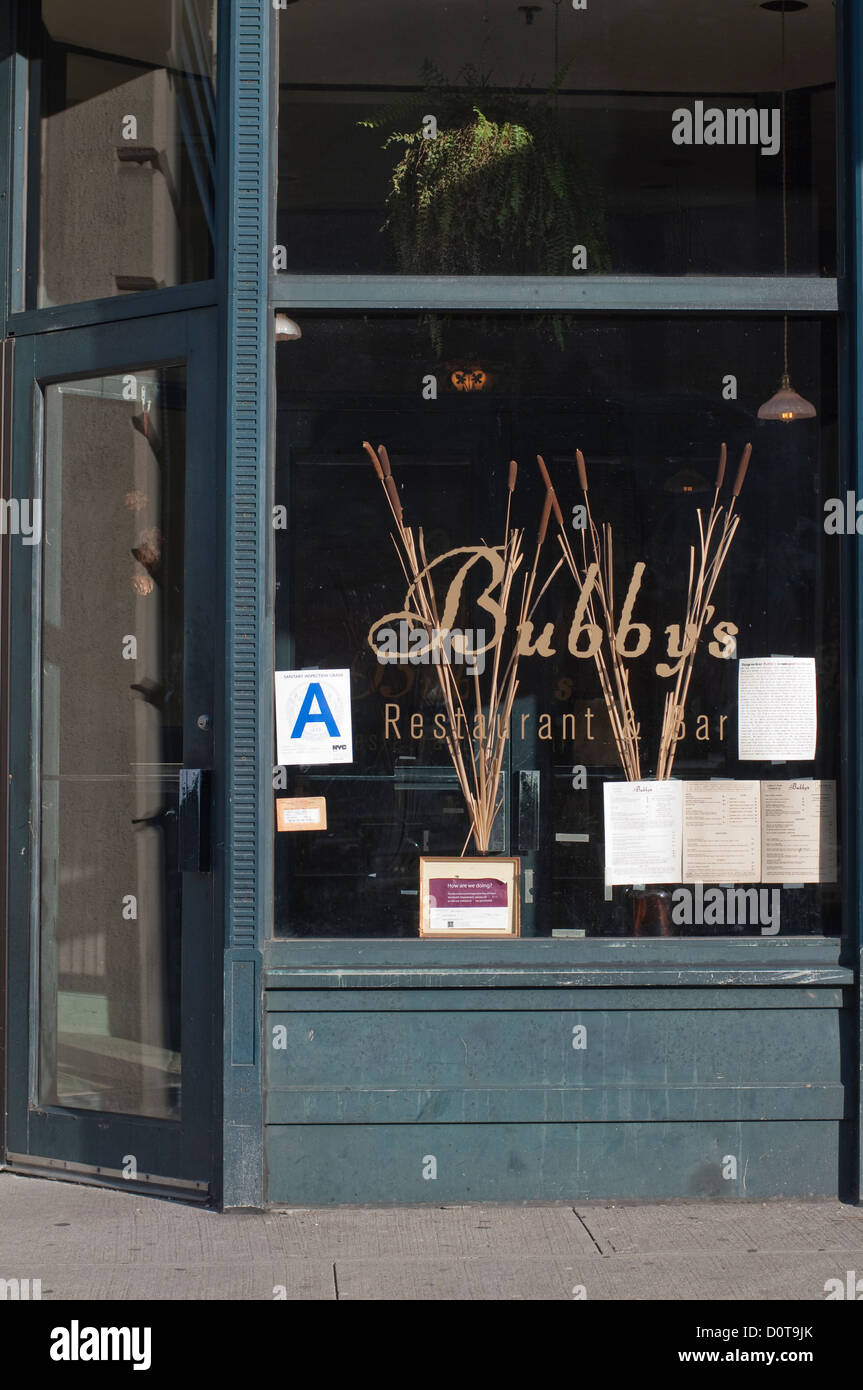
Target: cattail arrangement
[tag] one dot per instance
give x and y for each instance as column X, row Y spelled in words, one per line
column 477, row 756
column 594, row 578
column 715, row 536
column 593, row 572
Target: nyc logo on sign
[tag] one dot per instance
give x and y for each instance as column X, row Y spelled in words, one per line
column 313, row 717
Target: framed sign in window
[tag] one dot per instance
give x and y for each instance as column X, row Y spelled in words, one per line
column 469, row 897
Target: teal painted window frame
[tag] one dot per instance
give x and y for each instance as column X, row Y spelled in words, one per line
column 611, row 294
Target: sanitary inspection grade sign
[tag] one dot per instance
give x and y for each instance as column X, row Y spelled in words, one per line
column 313, row 717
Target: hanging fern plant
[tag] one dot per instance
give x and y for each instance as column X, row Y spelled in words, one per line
column 500, row 188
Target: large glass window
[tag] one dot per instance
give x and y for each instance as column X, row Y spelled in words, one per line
column 649, row 400
column 122, row 160
column 487, row 137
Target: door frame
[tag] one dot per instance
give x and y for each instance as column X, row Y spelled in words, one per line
column 172, row 1155
column 247, row 89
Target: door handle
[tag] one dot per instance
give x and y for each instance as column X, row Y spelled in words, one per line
column 194, row 820
column 527, row 815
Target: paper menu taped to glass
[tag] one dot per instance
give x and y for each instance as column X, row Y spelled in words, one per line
column 777, row 714
column 464, row 904
column 798, row 832
column 729, row 832
column 643, row 832
column 721, row 832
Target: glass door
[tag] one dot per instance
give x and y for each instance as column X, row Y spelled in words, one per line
column 112, row 948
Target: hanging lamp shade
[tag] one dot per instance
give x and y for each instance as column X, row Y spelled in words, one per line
column 787, row 405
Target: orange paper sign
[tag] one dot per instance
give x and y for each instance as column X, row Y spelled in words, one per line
column 301, row 813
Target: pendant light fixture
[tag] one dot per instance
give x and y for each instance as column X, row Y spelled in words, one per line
column 787, row 404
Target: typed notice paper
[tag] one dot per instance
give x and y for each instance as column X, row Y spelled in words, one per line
column 777, row 717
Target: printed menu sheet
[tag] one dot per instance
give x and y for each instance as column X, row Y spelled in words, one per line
column 721, row 832
column 643, row 827
column 798, row 832
column 777, row 716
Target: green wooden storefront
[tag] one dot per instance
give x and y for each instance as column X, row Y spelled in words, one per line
column 405, row 1071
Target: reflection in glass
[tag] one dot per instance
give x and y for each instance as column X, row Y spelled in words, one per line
column 112, row 743
column 386, row 166
column 124, row 148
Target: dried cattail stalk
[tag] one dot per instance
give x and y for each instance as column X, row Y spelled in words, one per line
column 477, row 763
column 715, row 537
column 393, row 494
column 550, row 492
column 546, row 513
column 595, row 582
column 720, row 472
column 582, row 470
column 741, row 472
column 374, row 458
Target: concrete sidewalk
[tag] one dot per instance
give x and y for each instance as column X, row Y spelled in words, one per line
column 89, row 1243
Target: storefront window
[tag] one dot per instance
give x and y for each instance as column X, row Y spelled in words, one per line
column 487, row 138
column 649, row 401
column 122, row 147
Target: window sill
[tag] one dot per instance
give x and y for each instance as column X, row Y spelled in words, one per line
column 528, row 963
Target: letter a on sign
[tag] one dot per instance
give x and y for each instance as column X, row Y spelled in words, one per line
column 314, row 710
column 313, row 717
